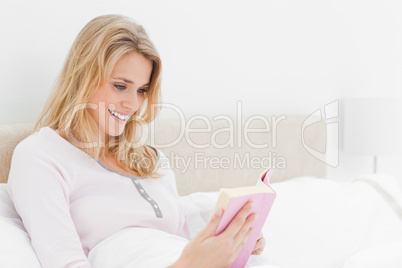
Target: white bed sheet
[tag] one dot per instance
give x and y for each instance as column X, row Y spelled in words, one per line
column 327, row 224
column 313, row 223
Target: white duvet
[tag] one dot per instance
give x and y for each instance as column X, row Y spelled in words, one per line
column 313, row 223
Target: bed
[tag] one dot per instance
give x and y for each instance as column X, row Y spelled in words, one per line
column 315, row 221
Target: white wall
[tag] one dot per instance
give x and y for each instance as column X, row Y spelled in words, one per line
column 277, row 57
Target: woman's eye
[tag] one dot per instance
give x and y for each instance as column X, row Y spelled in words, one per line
column 120, row 87
column 142, row 91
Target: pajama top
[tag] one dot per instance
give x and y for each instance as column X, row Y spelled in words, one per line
column 70, row 202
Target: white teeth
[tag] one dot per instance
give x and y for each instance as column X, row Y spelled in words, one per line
column 120, row 116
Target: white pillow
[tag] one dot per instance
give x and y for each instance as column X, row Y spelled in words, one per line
column 15, row 245
column 384, row 256
column 7, row 210
column 318, row 223
column 137, row 247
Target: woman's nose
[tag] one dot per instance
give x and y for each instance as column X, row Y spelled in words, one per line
column 132, row 101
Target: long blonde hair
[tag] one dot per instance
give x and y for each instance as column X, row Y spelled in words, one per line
column 95, row 51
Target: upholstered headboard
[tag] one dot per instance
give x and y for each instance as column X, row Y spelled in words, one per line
column 209, row 153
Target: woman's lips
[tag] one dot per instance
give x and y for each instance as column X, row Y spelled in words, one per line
column 119, row 116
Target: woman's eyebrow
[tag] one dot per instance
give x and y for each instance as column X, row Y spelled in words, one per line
column 124, row 79
column 129, row 81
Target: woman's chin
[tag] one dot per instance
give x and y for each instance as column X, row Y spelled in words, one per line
column 115, row 132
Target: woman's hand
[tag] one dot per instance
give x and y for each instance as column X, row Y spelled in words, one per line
column 208, row 250
column 259, row 245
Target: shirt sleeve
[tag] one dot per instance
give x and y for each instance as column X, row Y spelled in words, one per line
column 40, row 191
column 170, row 184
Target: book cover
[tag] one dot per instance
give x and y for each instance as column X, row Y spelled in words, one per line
column 233, row 199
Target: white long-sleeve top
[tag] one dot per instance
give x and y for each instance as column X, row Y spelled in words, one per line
column 69, row 202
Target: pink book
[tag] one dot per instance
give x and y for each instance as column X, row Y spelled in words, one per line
column 233, row 199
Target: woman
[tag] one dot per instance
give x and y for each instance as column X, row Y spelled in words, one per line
column 83, row 177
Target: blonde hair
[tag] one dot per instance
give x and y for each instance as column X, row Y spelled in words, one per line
column 95, row 51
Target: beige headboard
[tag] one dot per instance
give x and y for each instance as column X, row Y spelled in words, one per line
column 192, row 147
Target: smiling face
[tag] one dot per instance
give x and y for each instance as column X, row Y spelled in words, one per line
column 122, row 94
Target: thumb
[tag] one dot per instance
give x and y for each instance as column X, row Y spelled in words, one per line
column 210, row 228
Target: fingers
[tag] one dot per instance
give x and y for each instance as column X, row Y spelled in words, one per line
column 210, row 228
column 239, row 220
column 241, row 238
column 259, row 246
column 260, row 236
column 240, row 223
column 245, row 231
column 257, row 251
